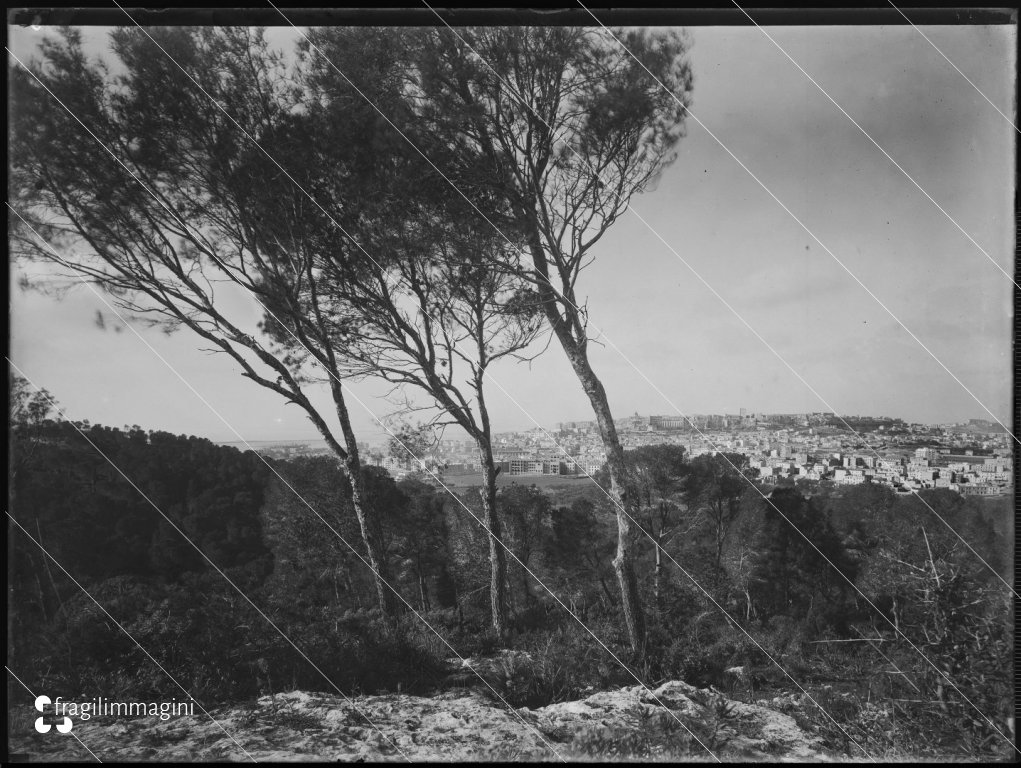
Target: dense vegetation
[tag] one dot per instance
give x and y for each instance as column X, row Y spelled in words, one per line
column 763, row 592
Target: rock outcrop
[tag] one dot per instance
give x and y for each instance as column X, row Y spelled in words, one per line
column 673, row 721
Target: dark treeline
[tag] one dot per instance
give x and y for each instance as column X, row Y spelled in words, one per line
column 757, row 571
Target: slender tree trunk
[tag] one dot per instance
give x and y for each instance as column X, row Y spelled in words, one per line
column 570, row 332
column 368, row 525
column 423, row 591
column 657, row 574
column 42, row 593
column 620, row 488
column 371, row 536
column 497, row 558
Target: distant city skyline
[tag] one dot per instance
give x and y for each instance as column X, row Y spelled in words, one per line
column 553, row 428
column 645, row 302
column 791, row 448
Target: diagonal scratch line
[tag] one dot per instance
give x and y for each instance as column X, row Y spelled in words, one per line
column 360, row 402
column 11, row 672
column 502, row 544
column 660, row 546
column 609, row 496
column 734, row 311
column 417, row 149
column 865, row 133
column 282, row 479
column 849, row 581
column 812, row 544
column 888, row 660
column 552, row 594
column 441, row 483
column 804, row 227
column 122, row 629
column 977, row 89
column 196, row 548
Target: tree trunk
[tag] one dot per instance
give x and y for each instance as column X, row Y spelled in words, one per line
column 42, row 593
column 497, row 558
column 570, row 332
column 423, row 592
column 620, row 489
column 369, row 527
column 657, row 574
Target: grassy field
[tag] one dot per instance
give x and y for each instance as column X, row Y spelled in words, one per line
column 502, row 480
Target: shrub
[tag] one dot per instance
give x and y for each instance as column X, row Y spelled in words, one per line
column 526, row 681
column 390, row 661
column 558, row 666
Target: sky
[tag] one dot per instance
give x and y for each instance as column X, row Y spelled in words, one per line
column 706, row 246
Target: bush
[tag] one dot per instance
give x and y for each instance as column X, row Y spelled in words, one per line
column 527, row 681
column 396, row 660
column 220, row 649
column 362, row 656
column 699, row 652
column 559, row 665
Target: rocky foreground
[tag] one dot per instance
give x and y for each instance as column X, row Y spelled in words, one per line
column 466, row 725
